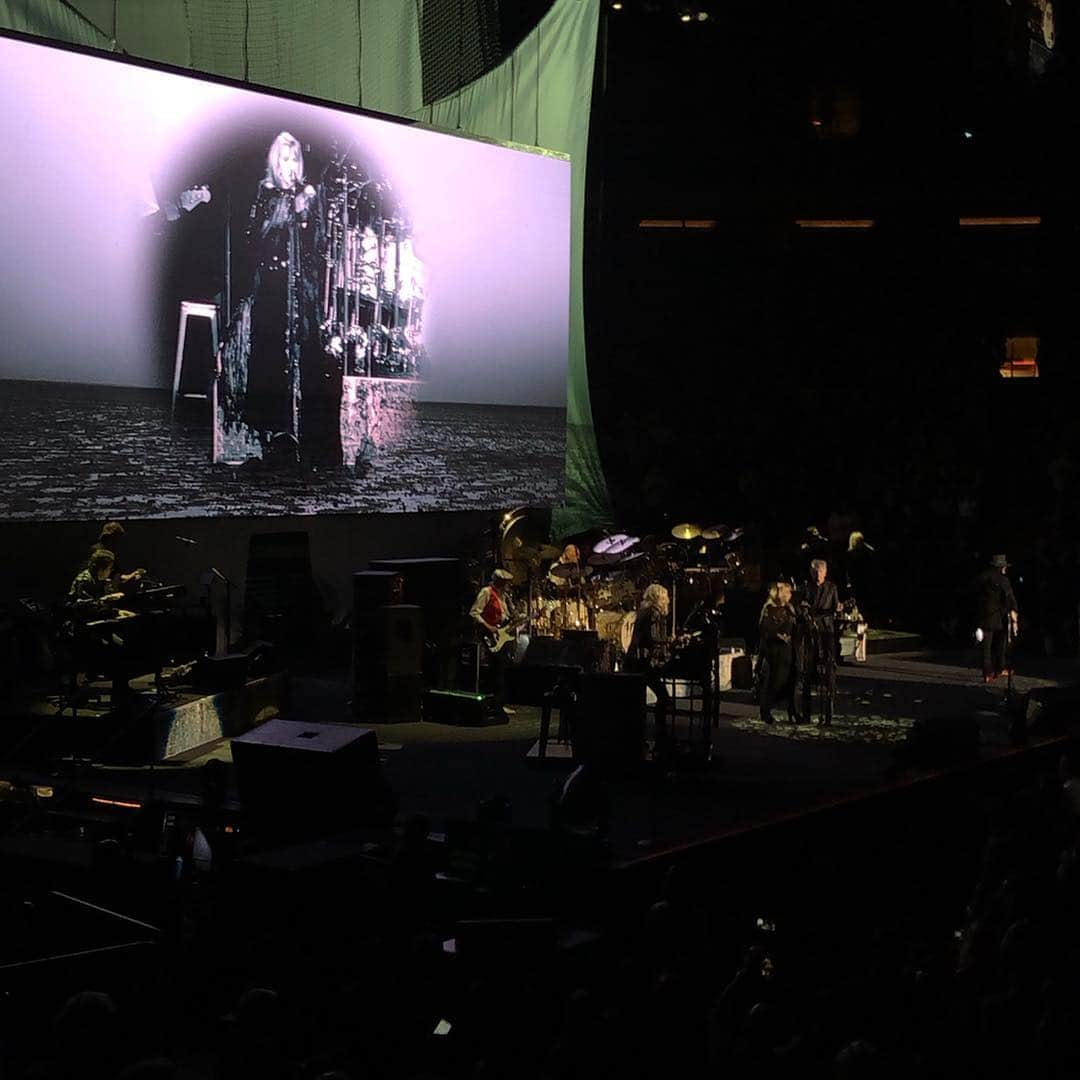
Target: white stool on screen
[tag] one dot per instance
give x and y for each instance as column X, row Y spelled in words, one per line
column 193, row 309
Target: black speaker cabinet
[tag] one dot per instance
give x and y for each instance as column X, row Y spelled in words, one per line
column 390, row 638
column 292, row 771
column 376, row 588
column 608, row 725
column 388, row 660
column 434, row 584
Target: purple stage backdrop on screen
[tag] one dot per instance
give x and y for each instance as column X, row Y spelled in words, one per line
column 390, row 303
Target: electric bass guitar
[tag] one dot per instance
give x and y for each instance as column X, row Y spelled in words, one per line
column 496, row 640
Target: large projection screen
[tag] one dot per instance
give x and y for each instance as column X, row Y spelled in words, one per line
column 223, row 301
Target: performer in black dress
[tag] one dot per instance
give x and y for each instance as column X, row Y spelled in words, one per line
column 279, row 381
column 776, row 657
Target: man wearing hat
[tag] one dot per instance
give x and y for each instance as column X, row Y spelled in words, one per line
column 995, row 615
column 492, row 611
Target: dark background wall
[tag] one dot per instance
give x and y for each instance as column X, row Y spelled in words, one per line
column 758, row 371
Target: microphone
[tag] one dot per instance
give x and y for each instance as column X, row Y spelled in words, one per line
column 187, row 540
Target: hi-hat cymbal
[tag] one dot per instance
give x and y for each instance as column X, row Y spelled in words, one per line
column 686, row 531
column 734, row 534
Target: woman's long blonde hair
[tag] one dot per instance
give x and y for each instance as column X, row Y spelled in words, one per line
column 656, row 597
column 775, row 590
column 273, row 159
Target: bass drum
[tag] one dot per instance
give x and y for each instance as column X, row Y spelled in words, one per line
column 626, row 630
column 609, row 627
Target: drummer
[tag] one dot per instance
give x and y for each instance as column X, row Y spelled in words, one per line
column 570, row 557
column 568, row 575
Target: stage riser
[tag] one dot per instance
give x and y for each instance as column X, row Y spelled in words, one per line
column 879, row 642
column 194, row 724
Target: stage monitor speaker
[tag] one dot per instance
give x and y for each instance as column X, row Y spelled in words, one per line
column 608, row 725
column 1048, row 709
column 291, row 771
column 463, row 709
column 376, row 588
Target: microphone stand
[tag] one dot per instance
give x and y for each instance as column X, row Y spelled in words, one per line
column 1008, row 659
column 228, row 605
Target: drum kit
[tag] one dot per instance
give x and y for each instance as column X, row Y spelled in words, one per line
column 373, row 281
column 602, row 591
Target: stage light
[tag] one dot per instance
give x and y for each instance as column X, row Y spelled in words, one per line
column 969, row 135
column 124, row 804
column 617, row 6
column 989, row 222
column 685, row 16
column 677, row 223
column 702, row 16
column 43, row 792
column 835, row 223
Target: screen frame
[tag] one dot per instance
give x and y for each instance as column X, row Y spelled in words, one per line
column 119, row 56
column 270, row 91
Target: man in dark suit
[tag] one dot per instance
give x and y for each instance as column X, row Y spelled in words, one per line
column 815, row 640
column 995, row 615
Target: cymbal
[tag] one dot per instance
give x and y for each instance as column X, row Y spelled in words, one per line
column 715, row 532
column 569, row 570
column 535, row 553
column 625, row 543
column 607, row 544
column 686, row 531
column 735, row 534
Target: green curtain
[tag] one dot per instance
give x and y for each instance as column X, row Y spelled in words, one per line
column 367, row 53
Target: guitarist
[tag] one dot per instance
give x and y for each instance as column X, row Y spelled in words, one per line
column 492, row 611
column 650, row 651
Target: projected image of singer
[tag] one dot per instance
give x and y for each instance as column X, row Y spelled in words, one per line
column 278, row 384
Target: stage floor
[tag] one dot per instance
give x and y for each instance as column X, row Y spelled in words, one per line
column 758, row 773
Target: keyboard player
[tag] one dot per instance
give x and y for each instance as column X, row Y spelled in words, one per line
column 93, row 595
column 111, row 540
column 95, row 608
